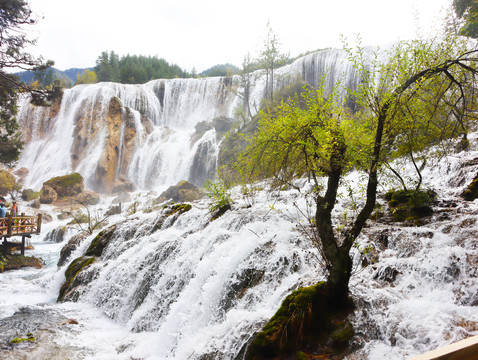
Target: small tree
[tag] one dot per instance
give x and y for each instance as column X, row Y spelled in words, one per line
column 87, row 222
column 88, row 77
column 271, row 58
column 322, row 140
column 245, row 82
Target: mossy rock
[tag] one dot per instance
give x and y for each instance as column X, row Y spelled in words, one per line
column 343, row 333
column 221, row 211
column 29, row 194
column 178, row 209
column 410, row 204
column 8, row 183
column 183, row 191
column 300, row 312
column 169, row 210
column 15, row 262
column 471, row 192
column 73, row 270
column 307, row 317
column 100, row 242
column 67, row 185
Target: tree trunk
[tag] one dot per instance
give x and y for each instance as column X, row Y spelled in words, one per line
column 338, row 261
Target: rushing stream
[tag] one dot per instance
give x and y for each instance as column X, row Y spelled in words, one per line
column 185, row 287
column 189, row 288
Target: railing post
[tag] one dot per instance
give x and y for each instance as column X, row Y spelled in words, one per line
column 9, row 225
column 39, row 224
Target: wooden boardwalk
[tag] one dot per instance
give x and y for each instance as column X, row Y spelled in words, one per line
column 22, row 225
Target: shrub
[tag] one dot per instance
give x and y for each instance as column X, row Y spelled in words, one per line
column 219, row 194
column 7, row 183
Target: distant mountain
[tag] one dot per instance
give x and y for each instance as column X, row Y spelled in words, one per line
column 68, row 75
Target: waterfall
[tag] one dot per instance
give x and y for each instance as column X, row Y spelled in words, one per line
column 144, row 132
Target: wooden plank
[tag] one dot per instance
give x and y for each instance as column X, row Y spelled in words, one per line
column 462, row 350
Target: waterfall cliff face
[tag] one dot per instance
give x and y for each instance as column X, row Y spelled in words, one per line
column 108, row 131
column 148, row 133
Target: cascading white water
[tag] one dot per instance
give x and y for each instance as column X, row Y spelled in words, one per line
column 185, row 287
column 163, row 155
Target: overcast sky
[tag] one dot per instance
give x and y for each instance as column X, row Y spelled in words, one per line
column 202, row 33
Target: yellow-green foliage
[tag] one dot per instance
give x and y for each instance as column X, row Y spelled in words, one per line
column 7, row 183
column 298, row 138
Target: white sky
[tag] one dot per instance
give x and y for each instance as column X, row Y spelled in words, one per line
column 203, row 33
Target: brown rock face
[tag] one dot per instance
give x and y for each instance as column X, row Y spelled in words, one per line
column 119, row 126
column 48, row 195
column 112, row 127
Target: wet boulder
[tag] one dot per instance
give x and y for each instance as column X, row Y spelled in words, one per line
column 183, row 191
column 48, row 195
column 122, row 185
column 66, row 185
column 471, row 192
column 29, row 194
column 100, row 242
column 71, row 246
column 71, row 273
column 56, row 235
column 410, row 204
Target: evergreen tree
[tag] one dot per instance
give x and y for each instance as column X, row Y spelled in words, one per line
column 14, row 15
column 467, row 10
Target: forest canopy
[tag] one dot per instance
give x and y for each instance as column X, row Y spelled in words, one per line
column 134, row 69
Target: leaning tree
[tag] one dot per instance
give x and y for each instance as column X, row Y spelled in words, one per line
column 319, row 138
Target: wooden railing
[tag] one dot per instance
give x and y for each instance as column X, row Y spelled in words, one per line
column 462, row 350
column 20, row 225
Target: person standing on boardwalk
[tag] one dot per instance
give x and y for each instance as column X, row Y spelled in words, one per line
column 14, row 209
column 3, row 210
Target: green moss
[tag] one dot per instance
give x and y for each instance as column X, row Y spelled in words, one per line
column 65, row 180
column 300, row 312
column 307, row 318
column 181, row 208
column 14, row 262
column 67, row 185
column 19, row 340
column 471, row 192
column 342, row 334
column 100, row 242
column 29, row 195
column 75, row 267
column 410, row 204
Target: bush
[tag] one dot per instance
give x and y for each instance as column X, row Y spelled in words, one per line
column 219, row 194
column 410, row 204
column 7, row 183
